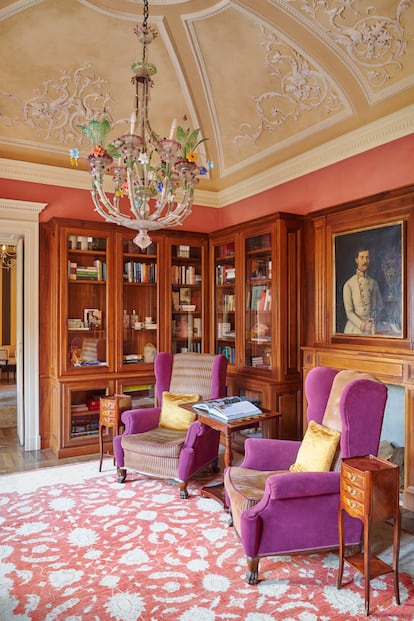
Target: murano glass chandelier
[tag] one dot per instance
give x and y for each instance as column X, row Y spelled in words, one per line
column 154, row 176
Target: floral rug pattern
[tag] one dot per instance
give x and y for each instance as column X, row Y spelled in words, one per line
column 97, row 550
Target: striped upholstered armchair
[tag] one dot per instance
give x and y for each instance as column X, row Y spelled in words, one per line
column 166, row 441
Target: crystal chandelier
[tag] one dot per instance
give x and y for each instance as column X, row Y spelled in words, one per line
column 154, row 176
column 7, row 256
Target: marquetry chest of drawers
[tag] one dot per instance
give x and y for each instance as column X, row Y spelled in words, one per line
column 370, row 493
column 110, row 410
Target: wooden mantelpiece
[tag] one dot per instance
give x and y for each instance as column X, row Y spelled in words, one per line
column 392, row 369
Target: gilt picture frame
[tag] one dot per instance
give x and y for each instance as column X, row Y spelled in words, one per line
column 369, row 270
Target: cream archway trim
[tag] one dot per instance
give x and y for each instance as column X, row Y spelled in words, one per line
column 22, row 218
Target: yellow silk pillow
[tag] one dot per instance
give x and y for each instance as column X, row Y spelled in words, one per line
column 317, row 449
column 174, row 417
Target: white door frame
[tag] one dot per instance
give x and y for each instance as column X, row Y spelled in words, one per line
column 21, row 218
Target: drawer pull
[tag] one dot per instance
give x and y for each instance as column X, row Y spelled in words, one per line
column 352, row 477
column 352, row 491
column 353, row 504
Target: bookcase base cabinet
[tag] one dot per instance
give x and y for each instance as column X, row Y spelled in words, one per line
column 74, row 406
column 282, row 397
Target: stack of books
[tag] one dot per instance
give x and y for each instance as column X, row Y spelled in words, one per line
column 229, row 408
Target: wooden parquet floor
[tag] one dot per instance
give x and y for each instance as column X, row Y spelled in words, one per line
column 13, row 457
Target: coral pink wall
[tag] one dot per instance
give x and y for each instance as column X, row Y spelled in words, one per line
column 383, row 168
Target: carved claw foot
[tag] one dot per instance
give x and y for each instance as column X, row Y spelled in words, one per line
column 252, row 575
column 183, row 491
column 121, row 475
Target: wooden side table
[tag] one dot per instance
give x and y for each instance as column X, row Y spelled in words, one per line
column 369, row 492
column 110, row 410
column 227, row 428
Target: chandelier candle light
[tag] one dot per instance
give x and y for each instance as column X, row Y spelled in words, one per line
column 157, row 176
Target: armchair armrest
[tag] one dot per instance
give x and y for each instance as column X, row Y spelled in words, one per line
column 264, row 454
column 301, row 484
column 138, row 421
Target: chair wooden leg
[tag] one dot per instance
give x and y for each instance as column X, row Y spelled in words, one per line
column 183, row 490
column 215, row 467
column 252, row 576
column 121, row 474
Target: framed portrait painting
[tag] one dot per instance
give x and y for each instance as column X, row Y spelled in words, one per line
column 368, row 287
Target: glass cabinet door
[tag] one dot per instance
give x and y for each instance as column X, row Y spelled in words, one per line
column 86, row 302
column 225, row 300
column 139, row 316
column 186, row 298
column 258, row 315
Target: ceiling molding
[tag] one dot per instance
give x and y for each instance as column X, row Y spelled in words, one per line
column 396, row 125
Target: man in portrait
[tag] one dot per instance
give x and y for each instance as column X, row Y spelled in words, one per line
column 361, row 296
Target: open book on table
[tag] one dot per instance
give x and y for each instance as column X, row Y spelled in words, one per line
column 228, row 408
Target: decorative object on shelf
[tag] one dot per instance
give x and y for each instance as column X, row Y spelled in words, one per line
column 149, row 353
column 93, row 318
column 157, row 175
column 8, row 257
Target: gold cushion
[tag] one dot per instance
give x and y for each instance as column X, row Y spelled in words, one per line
column 172, row 415
column 317, row 449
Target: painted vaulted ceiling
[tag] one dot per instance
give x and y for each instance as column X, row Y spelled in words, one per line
column 279, row 87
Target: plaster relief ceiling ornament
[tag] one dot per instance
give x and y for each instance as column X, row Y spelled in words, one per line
column 299, row 90
column 373, row 37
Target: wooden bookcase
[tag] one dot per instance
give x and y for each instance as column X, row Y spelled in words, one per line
column 108, row 307
column 106, row 311
column 255, row 297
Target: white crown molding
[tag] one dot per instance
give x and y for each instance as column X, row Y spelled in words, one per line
column 20, row 210
column 374, row 134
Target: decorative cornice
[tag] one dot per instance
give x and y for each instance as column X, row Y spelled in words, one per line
column 20, row 210
column 375, row 134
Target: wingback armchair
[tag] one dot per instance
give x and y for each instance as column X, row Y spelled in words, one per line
column 279, row 507
column 158, row 445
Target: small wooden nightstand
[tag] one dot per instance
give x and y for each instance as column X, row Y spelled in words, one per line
column 369, row 492
column 110, row 410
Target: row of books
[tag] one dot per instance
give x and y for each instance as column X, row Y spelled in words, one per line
column 136, row 271
column 185, row 275
column 260, row 242
column 260, row 268
column 186, row 327
column 226, row 250
column 82, row 242
column 229, row 352
column 229, row 302
column 260, row 298
column 225, row 274
column 186, row 299
column 97, row 271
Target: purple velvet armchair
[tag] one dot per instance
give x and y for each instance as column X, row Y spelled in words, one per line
column 276, row 511
column 157, row 451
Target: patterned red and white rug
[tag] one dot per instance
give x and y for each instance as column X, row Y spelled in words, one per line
column 86, row 548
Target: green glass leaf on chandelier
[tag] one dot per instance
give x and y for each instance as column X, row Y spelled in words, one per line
column 188, row 140
column 96, row 131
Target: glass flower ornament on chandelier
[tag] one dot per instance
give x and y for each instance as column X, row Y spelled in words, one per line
column 155, row 175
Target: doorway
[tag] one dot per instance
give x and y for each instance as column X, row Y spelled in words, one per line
column 20, row 218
